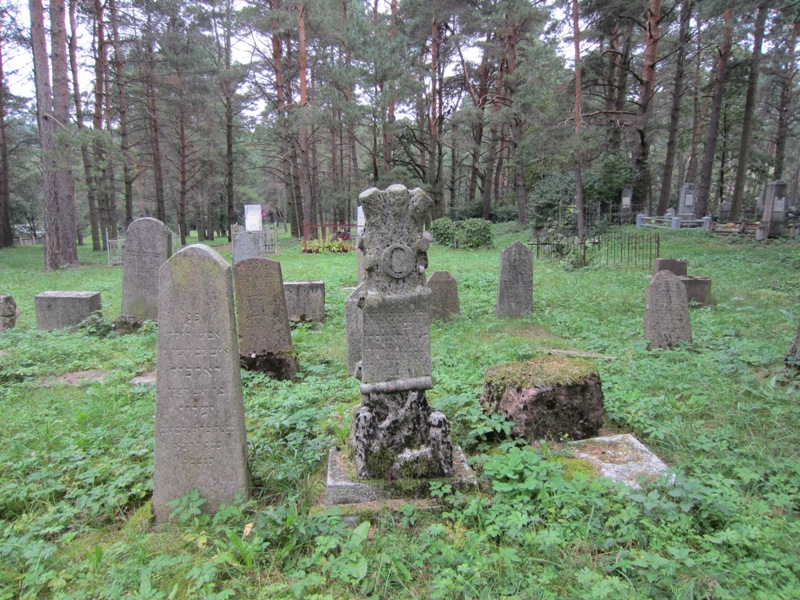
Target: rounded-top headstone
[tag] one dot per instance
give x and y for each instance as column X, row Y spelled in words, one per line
column 666, row 316
column 515, row 285
column 148, row 244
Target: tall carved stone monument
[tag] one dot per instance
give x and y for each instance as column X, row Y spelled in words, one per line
column 148, row 245
column 265, row 338
column 201, row 441
column 515, row 286
column 666, row 315
column 395, row 433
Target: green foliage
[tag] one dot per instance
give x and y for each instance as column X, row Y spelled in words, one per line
column 469, row 234
column 317, row 246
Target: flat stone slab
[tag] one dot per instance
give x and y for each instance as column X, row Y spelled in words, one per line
column 622, row 458
column 77, row 378
column 148, row 378
column 344, row 487
column 579, row 354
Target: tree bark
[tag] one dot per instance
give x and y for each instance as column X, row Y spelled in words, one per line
column 675, row 110
column 100, row 151
column 784, row 106
column 228, row 90
column 6, row 232
column 721, row 72
column 305, row 169
column 576, row 36
column 749, row 109
column 153, row 127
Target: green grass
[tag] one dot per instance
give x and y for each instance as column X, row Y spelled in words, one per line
column 76, row 461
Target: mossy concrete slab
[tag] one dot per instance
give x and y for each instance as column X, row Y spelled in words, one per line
column 622, row 458
column 344, row 487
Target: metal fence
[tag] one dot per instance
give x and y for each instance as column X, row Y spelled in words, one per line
column 637, row 250
column 115, row 249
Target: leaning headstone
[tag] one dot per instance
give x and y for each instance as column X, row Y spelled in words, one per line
column 395, row 434
column 201, row 441
column 305, row 301
column 265, row 338
column 58, row 310
column 666, row 316
column 8, row 312
column 792, row 358
column 548, row 397
column 249, row 244
column 148, row 245
column 444, row 296
column 515, row 286
column 678, row 266
column 353, row 324
column 774, row 219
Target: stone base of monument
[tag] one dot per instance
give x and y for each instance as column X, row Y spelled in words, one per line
column 280, row 366
column 344, row 487
column 622, row 458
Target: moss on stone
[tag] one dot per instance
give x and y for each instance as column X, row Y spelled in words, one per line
column 379, row 463
column 544, row 371
column 574, row 466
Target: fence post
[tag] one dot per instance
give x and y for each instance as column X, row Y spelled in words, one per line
column 640, row 220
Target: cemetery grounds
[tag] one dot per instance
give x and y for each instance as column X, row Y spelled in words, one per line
column 76, row 458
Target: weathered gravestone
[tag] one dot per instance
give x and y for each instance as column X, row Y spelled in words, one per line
column 8, row 312
column 678, row 266
column 305, row 301
column 444, row 296
column 774, row 220
column 353, row 326
column 249, row 244
column 666, row 316
column 686, row 204
column 792, row 358
column 698, row 290
column 515, row 286
column 265, row 338
column 395, row 433
column 547, row 397
column 148, row 245
column 201, row 441
column 58, row 310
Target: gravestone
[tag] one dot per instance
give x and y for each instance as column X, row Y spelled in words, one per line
column 774, row 219
column 686, row 206
column 724, row 214
column 148, row 245
column 201, row 441
column 666, row 316
column 627, row 197
column 678, row 266
column 252, row 217
column 353, row 324
column 670, row 213
column 444, row 296
column 8, row 312
column 249, row 244
column 515, row 286
column 395, row 434
column 265, row 338
column 58, row 310
column 305, row 301
column 698, row 289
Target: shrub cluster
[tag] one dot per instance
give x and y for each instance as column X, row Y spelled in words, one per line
column 470, row 233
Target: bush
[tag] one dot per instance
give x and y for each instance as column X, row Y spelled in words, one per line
column 471, row 233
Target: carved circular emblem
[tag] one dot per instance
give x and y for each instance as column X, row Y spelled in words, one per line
column 398, row 261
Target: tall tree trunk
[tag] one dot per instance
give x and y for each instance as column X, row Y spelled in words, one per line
column 228, row 90
column 88, row 167
column 492, row 153
column 675, row 111
column 434, row 172
column 641, row 151
column 153, row 126
column 698, row 114
column 785, row 102
column 6, row 233
column 576, row 37
column 388, row 130
column 98, row 139
column 305, row 169
column 53, row 115
column 749, row 109
column 122, row 107
column 721, row 72
column 111, row 180
column 620, row 88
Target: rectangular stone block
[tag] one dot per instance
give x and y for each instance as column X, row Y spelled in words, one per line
column 201, row 441
column 57, row 310
column 305, row 301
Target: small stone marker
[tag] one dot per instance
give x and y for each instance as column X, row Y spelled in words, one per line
column 265, row 338
column 353, row 324
column 622, row 458
column 698, row 290
column 8, row 312
column 547, row 397
column 678, row 266
column 792, row 358
column 57, row 310
column 148, row 245
column 201, row 441
column 305, row 301
column 249, row 244
column 444, row 296
column 666, row 316
column 515, row 287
